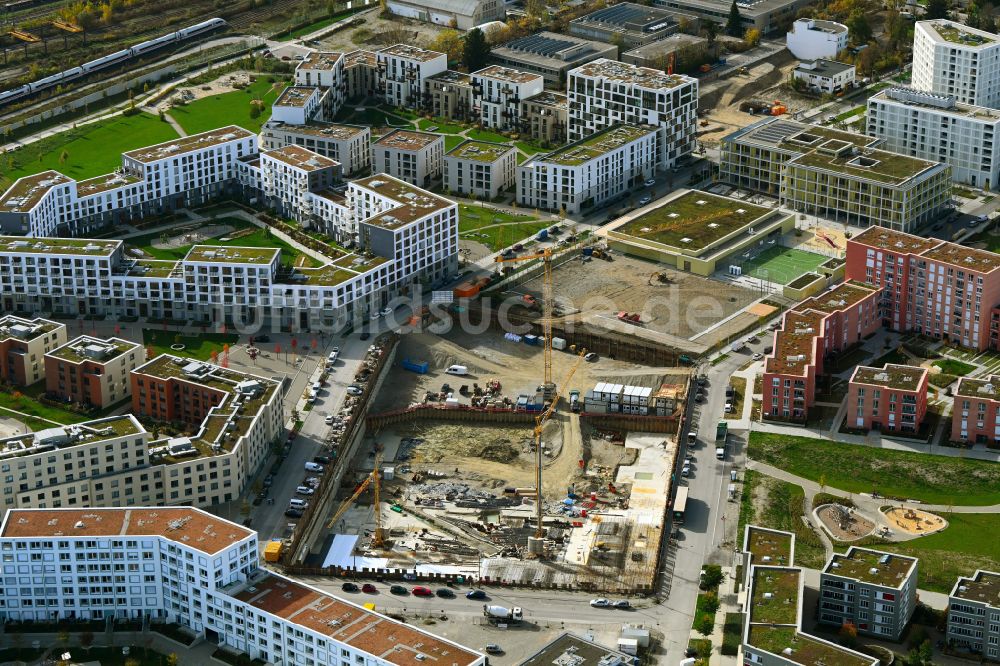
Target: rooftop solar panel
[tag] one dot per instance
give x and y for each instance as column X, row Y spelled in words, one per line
column 777, row 131
column 540, row 45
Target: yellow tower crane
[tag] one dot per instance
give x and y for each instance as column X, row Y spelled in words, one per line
column 374, row 479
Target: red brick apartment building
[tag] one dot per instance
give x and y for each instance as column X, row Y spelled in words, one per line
column 165, row 390
column 975, row 416
column 817, row 328
column 891, row 399
column 936, row 288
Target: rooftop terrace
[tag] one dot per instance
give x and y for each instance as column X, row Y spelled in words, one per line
column 51, row 245
column 871, row 566
column 549, row 99
column 301, row 158
column 105, row 183
column 187, row 144
column 452, row 76
column 966, row 258
column 360, row 57
column 28, row 191
column 296, row 96
column 98, row 350
column 921, row 99
column 321, row 60
column 336, row 131
column 644, row 77
column 769, row 546
column 956, row 33
column 983, row 587
column 62, row 437
column 596, row 145
column 775, row 597
column 155, row 269
column 231, row 254
column 408, row 140
column 793, row 136
column 900, row 377
column 411, row 52
column 877, row 165
column 480, row 151
column 895, row 241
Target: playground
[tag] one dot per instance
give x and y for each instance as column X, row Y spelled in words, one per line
column 781, row 264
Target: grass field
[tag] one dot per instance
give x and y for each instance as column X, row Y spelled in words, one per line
column 781, row 506
column 322, row 23
column 496, row 229
column 860, row 469
column 91, row 150
column 259, row 238
column 440, row 125
column 953, row 367
column 486, row 135
column 782, row 264
column 231, row 108
column 196, row 346
column 451, row 142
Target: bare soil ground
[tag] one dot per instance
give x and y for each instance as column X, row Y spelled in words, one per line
column 856, row 527
column 384, row 32
column 685, row 305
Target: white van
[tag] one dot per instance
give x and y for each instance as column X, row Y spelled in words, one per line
column 457, row 370
column 296, row 503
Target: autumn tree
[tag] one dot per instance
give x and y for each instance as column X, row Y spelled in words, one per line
column 450, row 43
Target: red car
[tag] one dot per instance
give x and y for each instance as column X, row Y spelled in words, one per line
column 369, row 588
column 422, row 592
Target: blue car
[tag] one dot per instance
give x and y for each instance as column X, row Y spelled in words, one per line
column 475, row 594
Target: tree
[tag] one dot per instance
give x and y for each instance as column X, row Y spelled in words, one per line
column 63, row 156
column 936, row 9
column 450, row 43
column 734, row 24
column 477, row 50
column 861, row 31
column 848, row 634
column 752, row 37
column 711, row 29
column 172, row 659
column 86, row 640
column 535, row 9
column 254, row 109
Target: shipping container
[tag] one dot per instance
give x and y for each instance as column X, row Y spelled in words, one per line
column 466, row 290
column 419, row 367
column 558, row 343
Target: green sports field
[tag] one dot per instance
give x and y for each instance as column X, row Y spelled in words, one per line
column 781, row 264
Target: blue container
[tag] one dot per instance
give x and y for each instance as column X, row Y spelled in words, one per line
column 588, row 251
column 419, row 367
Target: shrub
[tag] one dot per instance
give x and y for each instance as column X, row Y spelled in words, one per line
column 704, row 624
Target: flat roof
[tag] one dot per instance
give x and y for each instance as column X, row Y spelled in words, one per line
column 187, row 144
column 667, row 44
column 18, row 328
column 51, row 245
column 911, row 98
column 295, row 96
column 331, row 275
column 629, row 16
column 95, row 350
column 960, row 256
column 549, row 99
column 894, row 241
column 28, row 191
column 507, row 74
column 988, row 389
column 552, row 50
column 819, row 25
column 569, row 649
column 823, row 66
column 337, row 131
column 408, row 140
column 185, row 525
column 155, row 268
column 413, row 202
column 803, row 649
column 452, row 76
column 360, row 57
column 411, row 52
column 794, row 137
column 105, row 183
column 301, row 158
column 595, row 145
column 321, row 60
column 877, row 165
column 900, row 377
column 762, row 542
column 362, row 629
column 775, row 595
column 644, row 77
column 871, row 566
column 480, row 151
column 983, row 587
column 957, row 33
column 694, row 220
column 259, row 256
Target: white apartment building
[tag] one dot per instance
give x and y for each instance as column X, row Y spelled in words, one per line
column 349, row 145
column 497, row 93
column 416, row 157
column 403, row 71
column 974, row 614
column 297, row 105
column 360, row 74
column 825, row 76
column 811, row 39
column 187, row 566
column 953, row 59
column 588, row 172
column 873, row 590
column 324, row 69
column 939, row 128
column 290, row 174
column 480, row 168
column 604, row 93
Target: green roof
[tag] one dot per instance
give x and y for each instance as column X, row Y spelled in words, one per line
column 775, row 596
column 155, row 268
column 596, row 145
column 877, row 165
column 481, row 151
column 871, row 566
column 31, row 332
column 82, row 246
column 804, row 649
column 231, row 254
column 72, row 350
column 763, row 542
column 958, row 34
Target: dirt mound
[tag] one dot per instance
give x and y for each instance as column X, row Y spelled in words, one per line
column 500, row 451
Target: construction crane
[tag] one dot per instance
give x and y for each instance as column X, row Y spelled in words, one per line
column 548, row 387
column 374, row 479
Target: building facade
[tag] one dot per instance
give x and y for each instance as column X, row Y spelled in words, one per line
column 588, row 172
column 403, row 71
column 974, row 615
column 458, row 14
column 23, row 345
column 825, row 76
column 976, row 411
column 811, row 39
column 450, row 96
column 955, row 60
column 92, row 371
column 889, row 399
column 350, row 145
column 497, row 93
column 545, row 118
column 605, row 92
column 297, row 105
column 658, row 54
column 770, row 17
column 324, row 70
column 873, row 590
column 360, row 74
column 939, row 128
column 414, row 157
column 480, row 168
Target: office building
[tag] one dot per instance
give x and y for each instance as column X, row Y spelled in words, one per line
column 586, row 173
column 551, row 54
column 768, row 16
column 23, row 345
column 953, row 59
column 545, row 118
column 92, row 371
column 605, row 92
column 828, row 77
column 461, row 15
column 934, row 288
column 873, row 590
column 939, row 128
column 844, row 176
column 629, row 25
column 349, row 145
column 480, row 168
column 360, row 74
column 450, row 95
column 414, row 157
column 811, row 39
column 189, row 567
column 658, row 54
column 974, row 615
column 497, row 93
column 811, row 332
column 889, row 399
column 403, row 71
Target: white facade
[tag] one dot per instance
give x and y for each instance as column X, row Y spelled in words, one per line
column 350, row 145
column 324, row 69
column 605, row 93
column 414, row 157
column 482, row 168
column 589, row 172
column 810, row 39
column 297, row 105
column 952, row 59
column 498, row 92
column 403, row 71
column 937, row 127
column 825, row 76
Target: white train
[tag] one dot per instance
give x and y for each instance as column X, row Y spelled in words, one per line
column 110, row 60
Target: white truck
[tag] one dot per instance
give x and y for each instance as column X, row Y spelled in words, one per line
column 501, row 615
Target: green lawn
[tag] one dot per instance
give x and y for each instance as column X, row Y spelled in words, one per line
column 783, row 505
column 451, row 142
column 847, row 115
column 486, row 135
column 471, row 216
column 195, row 346
column 439, row 125
column 259, row 238
column 322, row 23
column 496, row 229
column 26, row 403
column 968, row 543
column 92, row 150
column 531, row 148
column 782, row 264
column 231, row 108
column 372, row 118
column 953, row 367
column 855, row 468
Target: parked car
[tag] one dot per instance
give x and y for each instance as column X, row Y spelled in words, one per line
column 349, row 587
column 493, row 648
column 475, row 594
column 591, row 357
column 313, row 467
column 445, row 593
column 398, row 589
column 293, row 513
column 332, row 357
column 420, row 591
column 329, row 419
column 304, row 490
column 323, row 460
column 600, row 602
column 623, row 604
column 368, row 588
column 757, row 356
column 354, row 390
column 645, row 200
column 686, row 470
column 650, row 182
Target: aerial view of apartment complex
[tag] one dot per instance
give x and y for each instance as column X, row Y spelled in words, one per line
column 466, row 332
